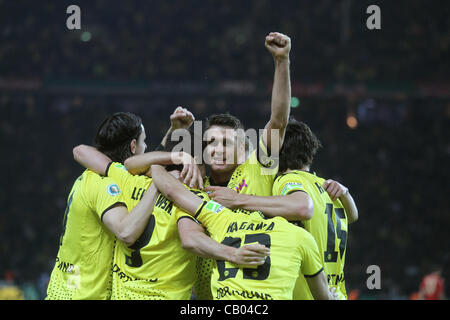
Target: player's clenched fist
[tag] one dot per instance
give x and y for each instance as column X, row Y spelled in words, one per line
column 181, row 118
column 278, row 45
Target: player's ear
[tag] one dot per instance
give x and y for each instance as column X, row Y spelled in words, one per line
column 133, row 146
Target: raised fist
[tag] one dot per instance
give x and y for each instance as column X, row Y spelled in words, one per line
column 181, row 118
column 278, row 45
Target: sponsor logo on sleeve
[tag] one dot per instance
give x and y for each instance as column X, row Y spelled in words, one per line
column 291, row 186
column 214, row 206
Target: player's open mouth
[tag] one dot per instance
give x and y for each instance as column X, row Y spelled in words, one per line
column 219, row 162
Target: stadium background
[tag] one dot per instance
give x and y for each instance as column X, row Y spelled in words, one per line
column 378, row 100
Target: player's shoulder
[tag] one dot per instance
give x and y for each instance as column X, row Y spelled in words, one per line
column 117, row 169
column 97, row 184
column 303, row 237
column 90, row 177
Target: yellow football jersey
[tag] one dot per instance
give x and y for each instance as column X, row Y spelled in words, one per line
column 292, row 250
column 155, row 267
column 254, row 177
column 85, row 256
column 328, row 226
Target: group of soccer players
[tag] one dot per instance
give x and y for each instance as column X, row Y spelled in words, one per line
column 154, row 226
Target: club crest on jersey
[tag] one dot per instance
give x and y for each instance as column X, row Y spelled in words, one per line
column 214, row 206
column 113, row 189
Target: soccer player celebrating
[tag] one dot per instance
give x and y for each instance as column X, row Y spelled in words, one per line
column 141, row 269
column 95, row 213
column 226, row 146
column 225, row 151
column 325, row 207
column 291, row 247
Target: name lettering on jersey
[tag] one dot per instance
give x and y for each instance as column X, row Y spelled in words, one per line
column 138, row 193
column 248, row 212
column 225, row 291
column 334, row 279
column 65, row 266
column 234, row 226
column 321, row 190
column 125, row 278
column 164, row 203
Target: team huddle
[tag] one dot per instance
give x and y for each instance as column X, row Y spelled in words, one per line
column 243, row 222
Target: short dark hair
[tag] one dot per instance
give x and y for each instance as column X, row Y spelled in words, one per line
column 224, row 120
column 115, row 134
column 299, row 147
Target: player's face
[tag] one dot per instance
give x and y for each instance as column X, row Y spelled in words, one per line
column 222, row 150
column 141, row 146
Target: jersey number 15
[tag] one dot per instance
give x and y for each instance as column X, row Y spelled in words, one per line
column 331, row 255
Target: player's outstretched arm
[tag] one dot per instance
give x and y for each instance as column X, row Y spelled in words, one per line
column 338, row 191
column 279, row 45
column 90, row 158
column 175, row 190
column 128, row 227
column 141, row 164
column 319, row 287
column 194, row 239
column 293, row 207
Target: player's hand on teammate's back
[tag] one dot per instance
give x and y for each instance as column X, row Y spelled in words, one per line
column 223, row 195
column 278, row 45
column 334, row 189
column 181, row 118
column 250, row 255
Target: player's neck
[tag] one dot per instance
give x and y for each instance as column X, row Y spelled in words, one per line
column 220, row 178
column 305, row 168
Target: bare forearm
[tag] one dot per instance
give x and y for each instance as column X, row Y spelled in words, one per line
column 291, row 207
column 135, row 222
column 140, row 164
column 202, row 245
column 90, row 158
column 168, row 133
column 271, row 206
column 174, row 190
column 280, row 106
column 319, row 287
column 281, row 93
column 350, row 207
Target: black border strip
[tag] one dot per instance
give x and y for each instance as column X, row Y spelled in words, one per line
column 112, row 206
column 107, row 168
column 199, row 209
column 294, row 191
column 313, row 275
column 188, row 217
